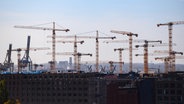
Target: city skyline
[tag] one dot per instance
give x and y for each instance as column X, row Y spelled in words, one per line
column 81, row 16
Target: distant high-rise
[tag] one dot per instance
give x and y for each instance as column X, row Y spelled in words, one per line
column 70, row 60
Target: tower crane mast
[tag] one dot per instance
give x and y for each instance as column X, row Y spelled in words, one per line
column 97, row 44
column 170, row 28
column 145, row 45
column 166, row 60
column 53, row 38
column 120, row 58
column 171, row 67
column 112, row 66
column 129, row 34
column 78, row 57
column 75, row 48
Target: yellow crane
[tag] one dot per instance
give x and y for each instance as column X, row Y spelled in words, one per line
column 75, row 48
column 78, row 57
column 111, row 66
column 146, row 45
column 170, row 28
column 129, row 34
column 53, row 29
column 120, row 58
column 125, row 41
column 167, row 61
column 97, row 44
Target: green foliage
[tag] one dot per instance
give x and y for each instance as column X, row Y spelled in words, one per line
column 12, row 101
column 3, row 92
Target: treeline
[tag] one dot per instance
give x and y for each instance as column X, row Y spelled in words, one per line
column 4, row 95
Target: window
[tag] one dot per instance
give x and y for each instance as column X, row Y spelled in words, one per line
column 172, row 85
column 159, row 91
column 172, row 92
column 166, row 98
column 166, row 85
column 179, row 92
column 160, row 98
column 85, row 100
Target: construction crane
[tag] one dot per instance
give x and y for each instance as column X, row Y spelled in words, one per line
column 112, row 67
column 75, row 48
column 146, row 45
column 18, row 50
column 120, row 58
column 78, row 57
column 129, row 34
column 124, row 41
column 97, row 44
column 167, row 60
column 53, row 39
column 170, row 28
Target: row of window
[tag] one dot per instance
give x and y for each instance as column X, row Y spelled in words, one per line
column 48, row 76
column 32, row 95
column 65, row 100
column 170, row 98
column 170, row 91
column 48, row 89
column 170, row 85
column 59, row 82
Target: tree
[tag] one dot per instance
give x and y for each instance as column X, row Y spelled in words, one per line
column 3, row 92
column 12, row 101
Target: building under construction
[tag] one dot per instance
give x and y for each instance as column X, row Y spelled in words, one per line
column 68, row 88
column 95, row 88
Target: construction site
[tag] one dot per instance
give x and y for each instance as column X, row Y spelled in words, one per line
column 97, row 81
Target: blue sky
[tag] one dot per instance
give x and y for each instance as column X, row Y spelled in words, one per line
column 138, row 16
